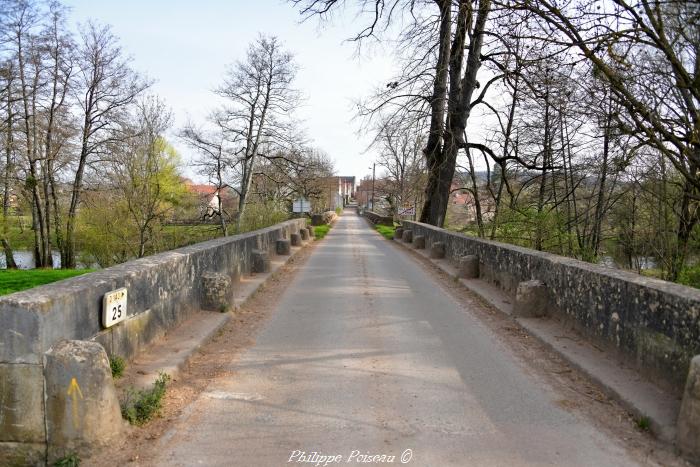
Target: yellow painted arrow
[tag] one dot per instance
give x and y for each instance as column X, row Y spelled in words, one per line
column 74, row 392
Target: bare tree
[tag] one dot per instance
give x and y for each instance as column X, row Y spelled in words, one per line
column 8, row 149
column 256, row 118
column 401, row 155
column 215, row 162
column 106, row 87
column 646, row 51
column 21, row 34
column 461, row 25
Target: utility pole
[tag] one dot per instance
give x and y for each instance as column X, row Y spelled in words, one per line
column 374, row 166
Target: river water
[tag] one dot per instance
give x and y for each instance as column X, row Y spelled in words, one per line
column 25, row 259
column 645, row 262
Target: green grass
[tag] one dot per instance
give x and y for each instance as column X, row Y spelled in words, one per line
column 386, row 230
column 643, row 423
column 22, row 279
column 19, row 232
column 139, row 407
column 69, row 460
column 320, row 231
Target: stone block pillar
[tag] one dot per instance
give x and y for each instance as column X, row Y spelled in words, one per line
column 304, row 234
column 22, row 427
column 259, row 261
column 437, row 250
column 688, row 435
column 407, row 236
column 398, row 233
column 531, row 299
column 317, row 219
column 283, row 247
column 468, row 267
column 82, row 407
column 419, row 242
column 295, row 239
column 217, row 291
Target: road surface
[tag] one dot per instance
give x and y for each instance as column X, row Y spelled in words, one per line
column 365, row 355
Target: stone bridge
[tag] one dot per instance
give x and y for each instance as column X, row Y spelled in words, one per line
column 370, row 352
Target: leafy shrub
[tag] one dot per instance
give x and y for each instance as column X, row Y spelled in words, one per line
column 690, row 275
column 139, row 407
column 117, row 364
column 258, row 215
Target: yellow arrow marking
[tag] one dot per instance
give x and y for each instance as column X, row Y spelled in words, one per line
column 74, row 392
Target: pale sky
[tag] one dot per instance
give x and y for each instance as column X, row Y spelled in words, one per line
column 185, row 46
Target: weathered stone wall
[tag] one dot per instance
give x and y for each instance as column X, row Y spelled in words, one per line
column 652, row 324
column 375, row 218
column 325, row 218
column 162, row 291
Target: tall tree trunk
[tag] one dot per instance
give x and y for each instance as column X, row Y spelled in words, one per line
column 434, row 144
column 497, row 204
column 30, row 150
column 568, row 189
column 6, row 192
column 57, row 216
column 441, row 171
column 539, row 227
column 252, row 148
column 506, row 144
column 600, row 203
column 686, row 221
column 475, row 194
column 68, row 254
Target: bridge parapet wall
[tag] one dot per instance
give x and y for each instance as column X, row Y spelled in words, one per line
column 652, row 324
column 163, row 290
column 375, row 218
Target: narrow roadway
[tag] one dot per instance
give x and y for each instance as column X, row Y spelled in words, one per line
column 366, row 353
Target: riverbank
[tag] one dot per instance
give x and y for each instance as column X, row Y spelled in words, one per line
column 22, row 279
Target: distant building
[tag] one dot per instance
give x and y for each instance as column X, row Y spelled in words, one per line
column 209, row 200
column 464, row 207
column 338, row 191
column 382, row 189
column 347, row 188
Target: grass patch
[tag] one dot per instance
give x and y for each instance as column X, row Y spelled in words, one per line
column 643, row 423
column 386, row 230
column 321, row 231
column 139, row 407
column 20, row 234
column 117, row 364
column 22, row 279
column 69, row 460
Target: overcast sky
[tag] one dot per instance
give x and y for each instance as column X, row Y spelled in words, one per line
column 185, row 46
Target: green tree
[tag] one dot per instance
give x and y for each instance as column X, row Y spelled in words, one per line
column 146, row 176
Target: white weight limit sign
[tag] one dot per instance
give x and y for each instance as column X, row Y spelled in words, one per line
column 114, row 307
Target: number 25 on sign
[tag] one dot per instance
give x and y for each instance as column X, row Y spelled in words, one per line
column 114, row 307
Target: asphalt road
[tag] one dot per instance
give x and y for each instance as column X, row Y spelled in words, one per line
column 366, row 355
